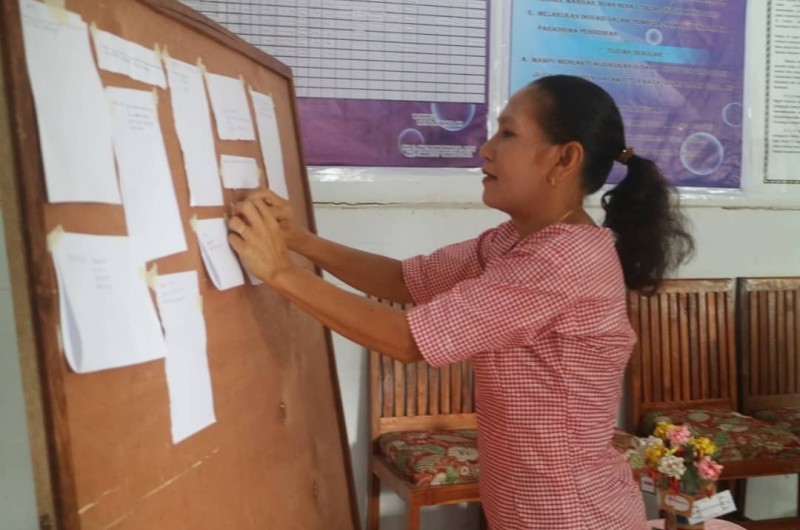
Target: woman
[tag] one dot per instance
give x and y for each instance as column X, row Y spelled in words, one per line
column 537, row 303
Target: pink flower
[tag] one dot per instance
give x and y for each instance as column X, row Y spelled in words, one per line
column 708, row 469
column 678, row 435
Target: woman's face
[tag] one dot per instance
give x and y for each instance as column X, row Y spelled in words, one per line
column 518, row 159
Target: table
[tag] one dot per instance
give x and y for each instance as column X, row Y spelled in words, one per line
column 713, row 524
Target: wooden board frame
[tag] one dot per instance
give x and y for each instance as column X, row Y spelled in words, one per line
column 278, row 456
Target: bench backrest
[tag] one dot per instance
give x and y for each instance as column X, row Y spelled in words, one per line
column 769, row 342
column 417, row 396
column 685, row 355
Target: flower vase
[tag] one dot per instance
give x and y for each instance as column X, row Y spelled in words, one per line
column 677, row 507
column 674, row 521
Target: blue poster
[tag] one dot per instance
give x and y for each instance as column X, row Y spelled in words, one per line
column 674, row 67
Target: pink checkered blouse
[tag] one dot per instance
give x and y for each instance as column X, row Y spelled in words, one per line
column 543, row 320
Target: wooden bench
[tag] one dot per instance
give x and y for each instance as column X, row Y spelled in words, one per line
column 684, row 369
column 417, row 400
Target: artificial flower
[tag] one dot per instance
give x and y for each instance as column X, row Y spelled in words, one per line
column 708, row 469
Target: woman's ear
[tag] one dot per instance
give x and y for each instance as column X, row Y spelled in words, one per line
column 570, row 160
column 571, row 156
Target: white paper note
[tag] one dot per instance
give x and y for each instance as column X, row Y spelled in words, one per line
column 107, row 316
column 710, row 507
column 121, row 56
column 191, row 401
column 218, row 256
column 239, row 172
column 193, row 124
column 71, row 112
column 151, row 208
column 270, row 142
column 231, row 111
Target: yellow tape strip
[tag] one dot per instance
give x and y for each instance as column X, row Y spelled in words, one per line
column 54, row 237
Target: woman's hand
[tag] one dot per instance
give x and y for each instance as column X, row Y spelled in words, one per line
column 282, row 212
column 255, row 234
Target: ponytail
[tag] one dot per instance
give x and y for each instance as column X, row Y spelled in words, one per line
column 643, row 212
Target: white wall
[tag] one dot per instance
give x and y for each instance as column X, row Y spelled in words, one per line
column 17, row 495
column 730, row 243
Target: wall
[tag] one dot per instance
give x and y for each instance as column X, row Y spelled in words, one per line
column 17, row 494
column 731, row 242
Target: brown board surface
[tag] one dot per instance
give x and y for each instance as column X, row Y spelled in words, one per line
column 277, row 457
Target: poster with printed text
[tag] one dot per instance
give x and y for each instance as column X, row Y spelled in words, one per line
column 674, row 67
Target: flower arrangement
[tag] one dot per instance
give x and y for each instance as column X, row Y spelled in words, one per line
column 677, row 461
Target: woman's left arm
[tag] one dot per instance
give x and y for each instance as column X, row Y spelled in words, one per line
column 256, row 238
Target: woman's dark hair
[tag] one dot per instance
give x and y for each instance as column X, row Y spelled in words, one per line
column 642, row 209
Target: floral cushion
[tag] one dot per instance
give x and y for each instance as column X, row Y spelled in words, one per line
column 736, row 436
column 433, row 458
column 786, row 418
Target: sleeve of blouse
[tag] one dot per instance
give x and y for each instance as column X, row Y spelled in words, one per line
column 514, row 301
column 427, row 276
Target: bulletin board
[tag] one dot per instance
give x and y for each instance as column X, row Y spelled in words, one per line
column 277, row 455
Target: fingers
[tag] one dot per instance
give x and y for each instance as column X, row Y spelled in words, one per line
column 262, row 206
column 237, row 226
column 252, row 216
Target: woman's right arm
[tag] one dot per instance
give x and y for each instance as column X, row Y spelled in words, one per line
column 370, row 273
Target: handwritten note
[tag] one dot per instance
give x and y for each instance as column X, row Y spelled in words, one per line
column 218, row 257
column 270, row 141
column 71, row 112
column 151, row 208
column 239, row 172
column 191, row 399
column 193, row 124
column 121, row 56
column 231, row 111
column 107, row 316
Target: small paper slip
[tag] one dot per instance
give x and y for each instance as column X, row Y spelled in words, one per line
column 711, row 507
column 229, row 103
column 239, row 172
column 270, row 141
column 647, row 485
column 193, row 124
column 121, row 56
column 107, row 316
column 218, row 256
column 72, row 114
column 191, row 399
column 151, row 207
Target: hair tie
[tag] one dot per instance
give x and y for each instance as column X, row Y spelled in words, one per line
column 626, row 155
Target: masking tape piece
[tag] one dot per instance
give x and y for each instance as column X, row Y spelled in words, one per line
column 57, row 10
column 152, row 277
column 193, row 223
column 165, row 54
column 200, row 302
column 202, row 67
column 155, row 97
column 93, row 29
column 54, row 237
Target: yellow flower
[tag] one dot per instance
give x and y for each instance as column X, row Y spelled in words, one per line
column 703, row 446
column 662, row 428
column 654, row 453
